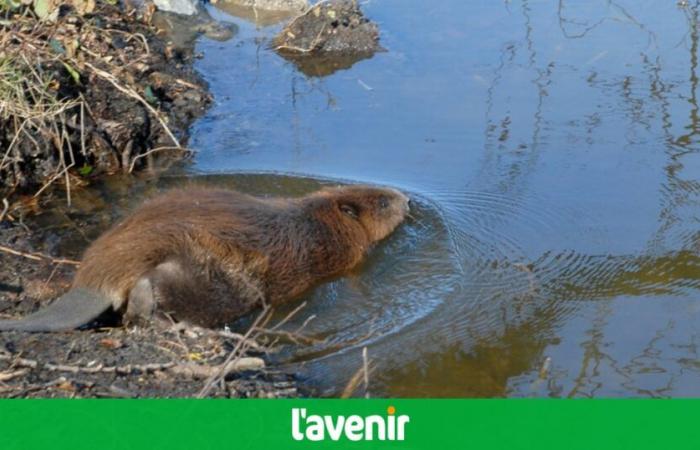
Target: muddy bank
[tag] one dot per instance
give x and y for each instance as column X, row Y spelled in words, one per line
column 89, row 94
column 108, row 360
column 112, row 97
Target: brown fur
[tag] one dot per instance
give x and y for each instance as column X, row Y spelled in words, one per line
column 207, row 256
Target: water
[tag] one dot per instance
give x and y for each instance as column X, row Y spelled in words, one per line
column 551, row 149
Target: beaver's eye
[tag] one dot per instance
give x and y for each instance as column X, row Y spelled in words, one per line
column 349, row 209
column 383, row 202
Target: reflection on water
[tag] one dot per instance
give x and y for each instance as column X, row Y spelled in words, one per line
column 321, row 66
column 552, row 149
column 260, row 17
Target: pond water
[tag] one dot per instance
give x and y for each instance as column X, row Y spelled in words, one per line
column 552, row 151
column 552, row 148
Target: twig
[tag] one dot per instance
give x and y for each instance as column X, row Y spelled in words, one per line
column 66, row 138
column 362, row 374
column 352, row 385
column 306, row 322
column 18, row 362
column 294, row 337
column 39, row 256
column 188, row 369
column 58, row 175
column 180, row 326
column 12, row 143
column 239, row 337
column 215, row 378
column 6, row 207
column 288, row 316
column 98, row 368
column 36, row 387
column 311, row 48
column 366, row 86
column 133, row 94
column 130, row 36
column 121, row 370
column 82, row 128
column 186, row 84
column 6, row 376
column 153, row 150
column 193, row 370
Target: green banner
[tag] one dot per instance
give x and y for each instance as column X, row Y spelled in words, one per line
column 415, row 424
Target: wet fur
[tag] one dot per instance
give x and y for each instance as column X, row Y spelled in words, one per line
column 208, row 256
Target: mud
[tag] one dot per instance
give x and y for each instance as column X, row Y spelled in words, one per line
column 105, row 131
column 108, row 360
column 119, row 86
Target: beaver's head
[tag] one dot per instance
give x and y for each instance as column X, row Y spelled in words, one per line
column 373, row 210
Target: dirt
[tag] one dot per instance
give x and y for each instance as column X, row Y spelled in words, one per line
column 119, row 89
column 115, row 92
column 109, row 360
column 328, row 37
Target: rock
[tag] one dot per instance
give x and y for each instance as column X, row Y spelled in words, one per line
column 330, row 27
column 182, row 31
column 328, row 36
column 183, row 7
column 218, row 31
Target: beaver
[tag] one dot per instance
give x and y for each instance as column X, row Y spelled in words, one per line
column 206, row 256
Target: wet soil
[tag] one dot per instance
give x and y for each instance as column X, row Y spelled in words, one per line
column 106, row 128
column 108, row 360
column 120, row 89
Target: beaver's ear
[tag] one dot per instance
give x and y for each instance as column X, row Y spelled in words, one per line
column 349, row 208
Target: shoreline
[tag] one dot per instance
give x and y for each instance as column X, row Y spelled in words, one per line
column 89, row 95
column 123, row 119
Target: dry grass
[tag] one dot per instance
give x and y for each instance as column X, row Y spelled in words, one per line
column 46, row 121
column 31, row 110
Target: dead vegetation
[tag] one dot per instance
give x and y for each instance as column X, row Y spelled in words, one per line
column 91, row 91
column 180, row 361
column 88, row 89
column 109, row 360
column 120, row 362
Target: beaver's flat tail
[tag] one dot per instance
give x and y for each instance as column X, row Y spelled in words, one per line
column 75, row 308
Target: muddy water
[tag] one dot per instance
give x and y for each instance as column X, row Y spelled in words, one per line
column 551, row 148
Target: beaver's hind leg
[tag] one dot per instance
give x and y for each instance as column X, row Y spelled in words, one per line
column 204, row 295
column 141, row 304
